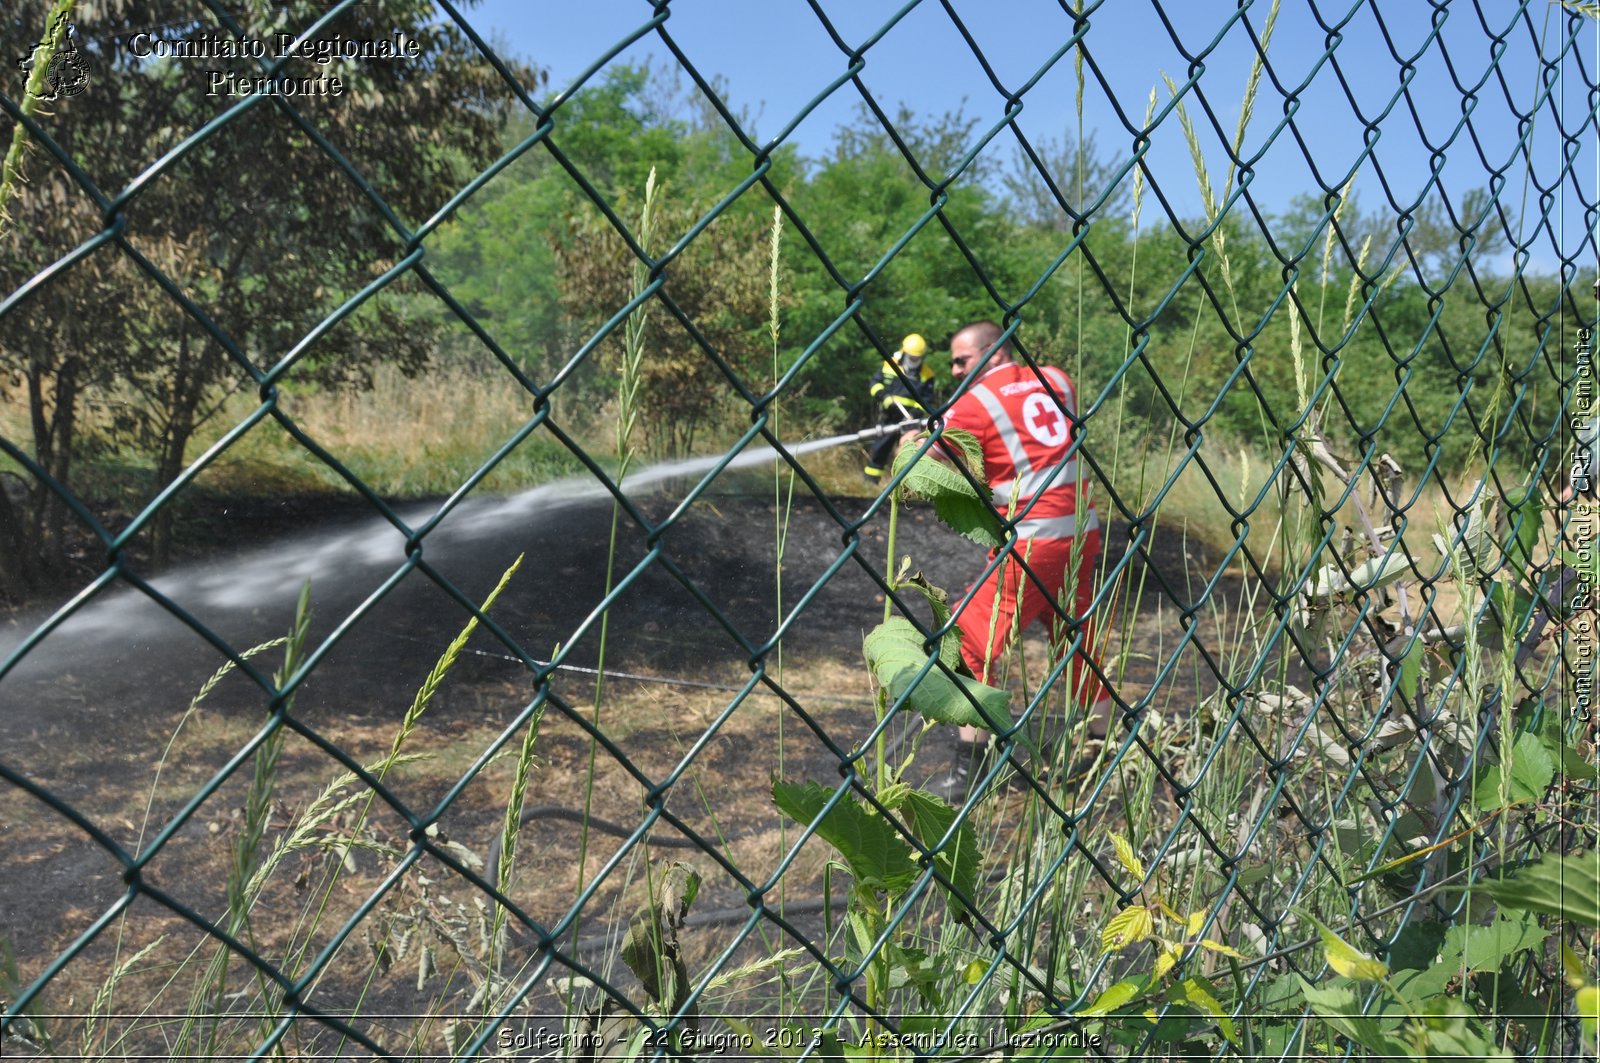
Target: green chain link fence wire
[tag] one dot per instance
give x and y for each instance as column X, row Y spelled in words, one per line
column 1328, row 667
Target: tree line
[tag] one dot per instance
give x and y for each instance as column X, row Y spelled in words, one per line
column 1226, row 325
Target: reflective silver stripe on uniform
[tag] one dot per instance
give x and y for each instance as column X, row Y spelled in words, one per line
column 1035, row 481
column 1068, row 399
column 1007, row 431
column 1032, row 481
column 1055, row 527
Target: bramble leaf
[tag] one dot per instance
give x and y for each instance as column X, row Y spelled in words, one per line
column 1411, row 669
column 1226, row 950
column 1564, row 886
column 1118, row 995
column 1486, row 948
column 1525, row 514
column 894, row 653
column 878, row 857
column 939, row 602
column 1128, row 927
column 1533, row 769
column 930, row 820
column 1340, row 1008
column 963, row 508
column 1126, row 856
column 1345, row 958
column 1202, row 995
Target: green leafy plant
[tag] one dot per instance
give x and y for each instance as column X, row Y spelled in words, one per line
column 1172, row 935
column 881, row 843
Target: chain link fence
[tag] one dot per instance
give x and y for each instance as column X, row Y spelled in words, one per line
column 1344, row 649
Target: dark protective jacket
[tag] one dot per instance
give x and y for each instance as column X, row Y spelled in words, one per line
column 897, row 401
column 900, row 400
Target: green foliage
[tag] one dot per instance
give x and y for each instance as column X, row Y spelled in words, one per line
column 870, row 845
column 1567, row 887
column 1340, row 1006
column 900, row 666
column 1525, row 777
column 966, row 508
column 719, row 282
column 152, row 374
column 931, row 820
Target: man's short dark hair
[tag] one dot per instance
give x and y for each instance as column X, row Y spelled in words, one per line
column 985, row 334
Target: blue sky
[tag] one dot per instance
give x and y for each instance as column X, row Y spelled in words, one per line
column 775, row 56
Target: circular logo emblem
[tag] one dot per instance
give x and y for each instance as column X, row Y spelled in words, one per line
column 66, row 75
column 1044, row 420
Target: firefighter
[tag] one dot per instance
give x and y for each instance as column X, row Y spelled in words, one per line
column 903, row 396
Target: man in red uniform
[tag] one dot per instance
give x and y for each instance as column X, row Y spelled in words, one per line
column 1025, row 429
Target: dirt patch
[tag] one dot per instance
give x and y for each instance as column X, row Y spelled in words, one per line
column 718, row 680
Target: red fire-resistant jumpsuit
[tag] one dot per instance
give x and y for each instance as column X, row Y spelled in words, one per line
column 1025, row 437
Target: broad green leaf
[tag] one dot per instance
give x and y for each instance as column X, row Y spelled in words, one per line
column 1587, row 564
column 1487, row 948
column 1202, row 995
column 1128, row 927
column 1126, row 856
column 1340, row 1008
column 1118, row 995
column 939, row 602
column 1251, row 875
column 914, row 967
column 1411, row 669
column 1417, row 945
column 1552, row 730
column 1226, row 950
column 1533, row 769
column 1420, row 986
column 894, row 653
column 1563, row 886
column 963, row 508
column 1345, row 958
column 1573, row 766
column 1456, row 1038
column 1166, row 960
column 1526, row 517
column 877, row 855
column 930, row 820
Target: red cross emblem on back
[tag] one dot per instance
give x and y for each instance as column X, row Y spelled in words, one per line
column 1044, row 420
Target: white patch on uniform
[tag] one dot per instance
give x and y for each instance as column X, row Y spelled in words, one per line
column 1044, row 420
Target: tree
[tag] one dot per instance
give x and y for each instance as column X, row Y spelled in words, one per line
column 1078, row 173
column 499, row 254
column 720, row 283
column 256, row 225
